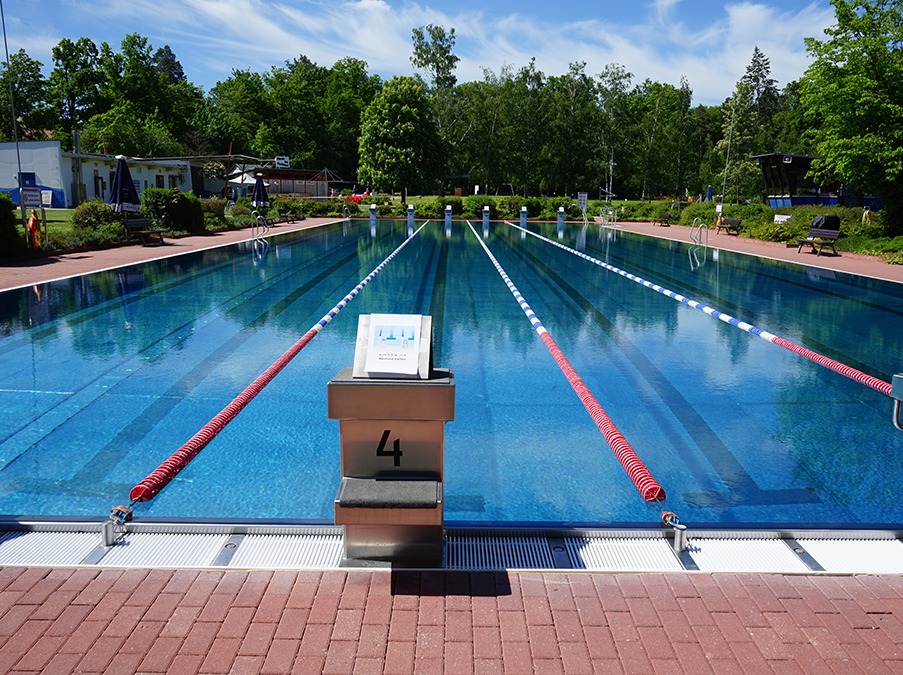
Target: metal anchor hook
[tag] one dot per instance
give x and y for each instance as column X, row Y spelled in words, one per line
column 670, row 519
column 897, row 393
column 114, row 527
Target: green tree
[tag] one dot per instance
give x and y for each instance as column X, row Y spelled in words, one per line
column 74, row 86
column 573, row 132
column 29, row 90
column 348, row 91
column 293, row 124
column 121, row 130
column 854, row 101
column 236, row 109
column 766, row 100
column 433, row 49
column 740, row 178
column 399, row 144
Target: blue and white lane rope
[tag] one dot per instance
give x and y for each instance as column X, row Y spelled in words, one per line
column 163, row 474
column 633, row 465
column 845, row 370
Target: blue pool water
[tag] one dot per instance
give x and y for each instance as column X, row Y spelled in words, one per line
column 102, row 377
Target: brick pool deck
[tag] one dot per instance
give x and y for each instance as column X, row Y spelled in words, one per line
column 68, row 620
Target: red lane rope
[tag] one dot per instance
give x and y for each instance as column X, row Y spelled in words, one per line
column 857, row 375
column 649, row 488
column 633, row 465
column 163, row 474
column 160, row 477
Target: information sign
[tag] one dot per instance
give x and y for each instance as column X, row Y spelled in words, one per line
column 31, row 198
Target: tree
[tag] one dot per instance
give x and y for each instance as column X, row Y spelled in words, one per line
column 434, row 54
column 29, row 89
column 74, row 86
column 740, row 177
column 854, row 101
column 399, row 144
column 236, row 109
column 168, row 66
column 349, row 89
column 765, row 99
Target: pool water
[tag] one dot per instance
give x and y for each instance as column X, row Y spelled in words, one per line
column 103, row 376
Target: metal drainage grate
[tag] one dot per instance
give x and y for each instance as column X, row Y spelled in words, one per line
column 463, row 552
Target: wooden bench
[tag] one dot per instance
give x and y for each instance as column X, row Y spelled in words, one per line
column 140, row 228
column 823, row 231
column 728, row 225
column 663, row 220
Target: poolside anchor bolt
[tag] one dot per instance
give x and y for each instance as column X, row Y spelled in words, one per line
column 114, row 527
column 897, row 393
column 670, row 519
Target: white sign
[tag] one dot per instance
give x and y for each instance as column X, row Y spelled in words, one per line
column 719, row 208
column 282, row 162
column 31, row 198
column 581, row 200
column 393, row 347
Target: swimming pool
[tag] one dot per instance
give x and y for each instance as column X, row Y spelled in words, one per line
column 102, row 377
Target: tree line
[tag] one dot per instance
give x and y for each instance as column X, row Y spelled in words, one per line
column 518, row 130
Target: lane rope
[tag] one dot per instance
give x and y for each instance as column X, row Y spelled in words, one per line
column 845, row 370
column 163, row 474
column 643, row 480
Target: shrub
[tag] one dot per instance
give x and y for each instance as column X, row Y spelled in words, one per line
column 457, row 204
column 94, row 222
column 214, row 206
column 173, row 209
column 12, row 237
column 473, row 206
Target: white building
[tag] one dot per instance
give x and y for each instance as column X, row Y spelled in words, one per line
column 66, row 178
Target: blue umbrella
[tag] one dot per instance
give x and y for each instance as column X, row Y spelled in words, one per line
column 123, row 195
column 708, row 194
column 259, row 198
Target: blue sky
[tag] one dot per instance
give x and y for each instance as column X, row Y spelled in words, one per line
column 710, row 42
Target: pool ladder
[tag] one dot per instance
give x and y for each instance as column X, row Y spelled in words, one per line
column 696, row 232
column 696, row 236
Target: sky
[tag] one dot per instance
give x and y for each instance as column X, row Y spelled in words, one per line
column 710, row 42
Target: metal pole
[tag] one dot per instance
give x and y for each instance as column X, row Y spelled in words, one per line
column 730, row 138
column 12, row 104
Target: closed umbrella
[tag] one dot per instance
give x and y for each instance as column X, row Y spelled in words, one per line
column 708, row 193
column 259, row 198
column 123, row 195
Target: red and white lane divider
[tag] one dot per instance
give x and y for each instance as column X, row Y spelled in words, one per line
column 633, row 465
column 163, row 474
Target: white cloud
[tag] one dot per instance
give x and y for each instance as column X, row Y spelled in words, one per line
column 662, row 41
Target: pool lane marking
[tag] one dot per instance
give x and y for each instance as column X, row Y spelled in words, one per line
column 649, row 488
column 163, row 474
column 863, row 378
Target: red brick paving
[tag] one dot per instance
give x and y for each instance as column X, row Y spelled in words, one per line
column 445, row 622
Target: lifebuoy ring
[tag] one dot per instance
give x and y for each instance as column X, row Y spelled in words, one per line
column 34, row 231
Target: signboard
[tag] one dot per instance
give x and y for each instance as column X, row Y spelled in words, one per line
column 719, row 208
column 30, row 198
column 393, row 347
column 282, row 162
column 581, row 200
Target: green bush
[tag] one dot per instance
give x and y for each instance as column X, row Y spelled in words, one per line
column 473, row 206
column 457, row 204
column 173, row 210
column 12, row 236
column 94, row 222
column 509, row 207
column 213, row 222
column 215, row 206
